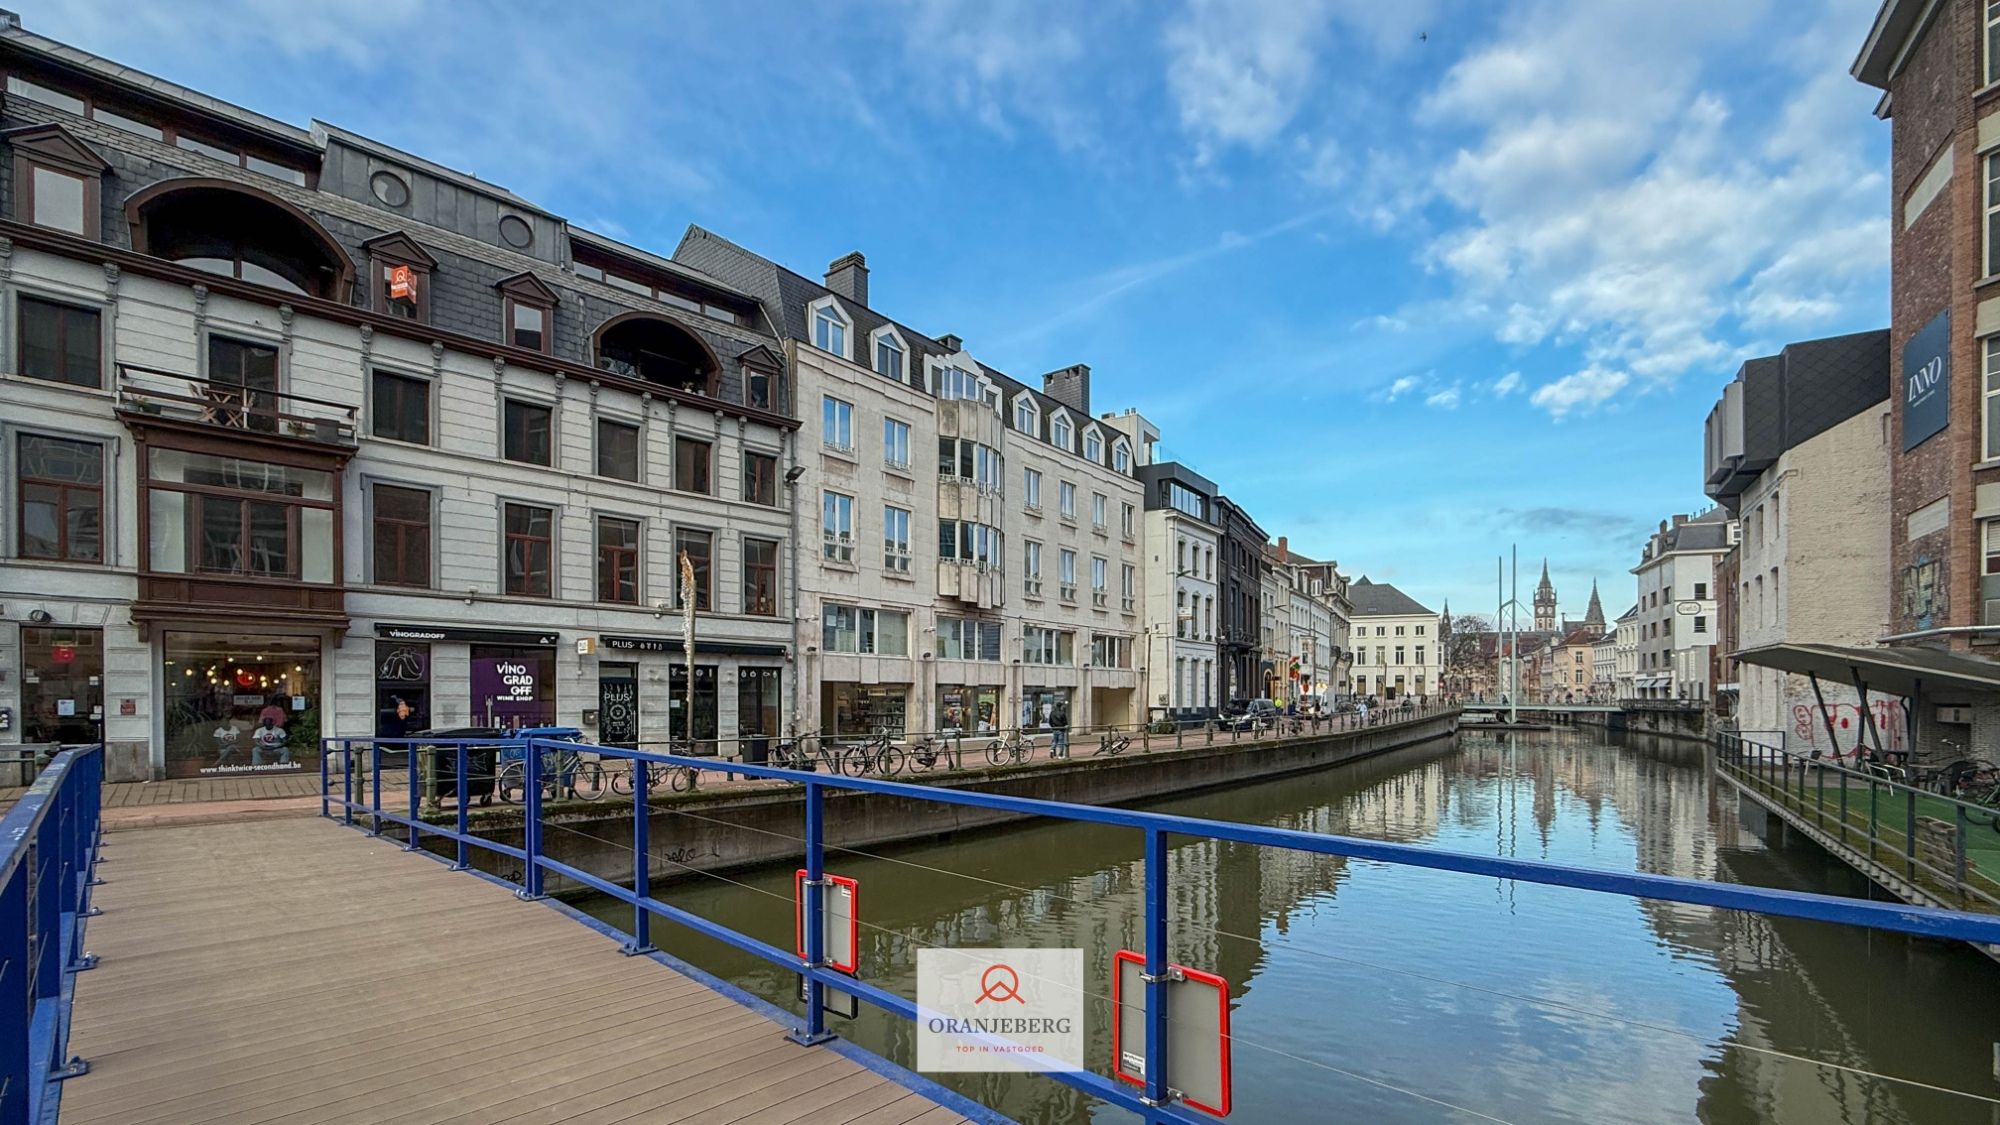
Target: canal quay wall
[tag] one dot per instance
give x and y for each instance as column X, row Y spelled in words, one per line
column 724, row 829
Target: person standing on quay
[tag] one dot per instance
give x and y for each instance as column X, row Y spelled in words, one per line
column 1059, row 730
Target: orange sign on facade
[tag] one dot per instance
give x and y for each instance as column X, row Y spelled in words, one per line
column 402, row 284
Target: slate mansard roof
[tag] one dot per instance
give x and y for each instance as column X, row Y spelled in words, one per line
column 1379, row 599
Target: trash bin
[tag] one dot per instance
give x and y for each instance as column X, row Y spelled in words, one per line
column 444, row 764
column 757, row 749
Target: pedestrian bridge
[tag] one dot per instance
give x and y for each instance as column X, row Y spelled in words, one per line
column 323, row 970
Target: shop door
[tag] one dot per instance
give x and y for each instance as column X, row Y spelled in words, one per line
column 62, row 685
column 618, row 704
column 757, row 710
column 704, row 706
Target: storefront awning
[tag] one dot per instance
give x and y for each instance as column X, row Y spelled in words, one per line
column 1888, row 671
column 1652, row 681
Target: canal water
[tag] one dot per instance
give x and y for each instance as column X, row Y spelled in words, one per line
column 1367, row 993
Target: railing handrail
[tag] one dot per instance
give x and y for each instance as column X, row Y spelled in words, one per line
column 1823, row 762
column 17, row 828
column 127, row 369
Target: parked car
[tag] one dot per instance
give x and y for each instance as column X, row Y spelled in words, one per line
column 1257, row 714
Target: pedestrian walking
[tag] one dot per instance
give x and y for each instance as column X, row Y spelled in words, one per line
column 1059, row 730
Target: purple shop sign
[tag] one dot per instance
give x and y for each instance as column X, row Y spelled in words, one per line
column 506, row 691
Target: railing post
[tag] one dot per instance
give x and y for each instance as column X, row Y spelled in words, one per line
column 375, row 804
column 1819, row 793
column 347, row 782
column 1842, row 774
column 410, row 756
column 1873, row 817
column 17, row 1004
column 642, row 875
column 531, row 824
column 813, row 919
column 1910, row 836
column 1958, row 847
column 1156, row 967
column 324, row 779
column 464, row 812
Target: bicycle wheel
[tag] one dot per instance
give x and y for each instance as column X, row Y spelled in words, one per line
column 620, row 781
column 588, row 782
column 507, row 784
column 996, row 753
column 855, row 761
column 889, row 762
column 684, row 779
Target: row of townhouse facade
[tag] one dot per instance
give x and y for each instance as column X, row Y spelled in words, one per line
column 304, row 435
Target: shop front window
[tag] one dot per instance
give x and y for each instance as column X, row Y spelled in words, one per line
column 402, row 688
column 862, row 710
column 240, row 703
column 968, row 710
column 1038, row 703
column 513, row 686
column 62, row 685
column 618, row 704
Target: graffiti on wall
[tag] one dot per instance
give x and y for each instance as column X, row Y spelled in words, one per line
column 1923, row 592
column 1809, row 726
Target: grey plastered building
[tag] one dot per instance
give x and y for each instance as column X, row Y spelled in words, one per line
column 300, row 427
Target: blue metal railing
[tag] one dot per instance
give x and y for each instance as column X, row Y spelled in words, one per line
column 1152, row 1102
column 51, row 836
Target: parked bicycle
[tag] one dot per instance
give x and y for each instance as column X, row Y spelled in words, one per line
column 878, row 755
column 1010, row 750
column 565, row 773
column 678, row 779
column 807, row 754
column 926, row 754
column 1110, row 744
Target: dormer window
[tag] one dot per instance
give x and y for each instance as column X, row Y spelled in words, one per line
column 958, row 383
column 1093, row 447
column 528, row 313
column 1027, row 419
column 760, row 366
column 1121, row 456
column 891, row 359
column 830, row 330
column 58, row 180
column 402, row 273
column 1060, row 432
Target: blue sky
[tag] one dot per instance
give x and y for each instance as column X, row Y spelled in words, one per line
column 1411, row 280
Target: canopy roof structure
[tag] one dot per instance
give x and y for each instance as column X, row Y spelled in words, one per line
column 1907, row 672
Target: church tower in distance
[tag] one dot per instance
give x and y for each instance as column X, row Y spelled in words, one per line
column 1545, row 602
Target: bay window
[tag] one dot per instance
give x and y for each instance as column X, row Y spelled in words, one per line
column 216, row 515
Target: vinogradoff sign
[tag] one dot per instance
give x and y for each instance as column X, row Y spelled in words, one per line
column 1927, row 381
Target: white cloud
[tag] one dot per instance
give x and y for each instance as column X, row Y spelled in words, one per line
column 1403, row 385
column 1607, row 199
column 1238, row 71
column 1507, row 384
column 1446, row 399
column 1383, row 322
column 1584, row 391
column 1007, row 59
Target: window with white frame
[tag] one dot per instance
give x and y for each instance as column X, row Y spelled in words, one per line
column 878, row 632
column 963, row 541
column 1031, row 489
column 1066, row 500
column 1127, row 516
column 1992, row 265
column 1027, row 418
column 1992, row 412
column 1100, row 580
column 1991, row 70
column 1097, row 508
column 836, row 521
column 1066, row 574
column 1031, row 568
column 958, row 383
column 837, row 424
column 1093, row 446
column 1047, row 646
column 1060, row 433
column 967, row 638
column 829, row 329
column 889, row 355
column 895, row 443
column 895, row 539
column 1128, row 581
column 1121, row 456
column 1990, row 533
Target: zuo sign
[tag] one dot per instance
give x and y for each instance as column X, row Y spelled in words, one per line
column 1927, row 381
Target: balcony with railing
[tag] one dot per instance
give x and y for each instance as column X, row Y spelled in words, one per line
column 260, row 413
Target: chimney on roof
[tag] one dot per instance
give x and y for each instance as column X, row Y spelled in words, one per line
column 848, row 277
column 1680, row 520
column 1284, row 552
column 951, row 343
column 1070, row 386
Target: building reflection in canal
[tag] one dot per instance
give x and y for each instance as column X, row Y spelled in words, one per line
column 1369, row 993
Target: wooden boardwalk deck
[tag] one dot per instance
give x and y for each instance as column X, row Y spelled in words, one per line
column 294, row 971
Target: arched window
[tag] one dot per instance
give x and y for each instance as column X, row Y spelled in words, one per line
column 1121, row 456
column 830, row 330
column 237, row 232
column 657, row 350
column 1060, row 433
column 1093, row 447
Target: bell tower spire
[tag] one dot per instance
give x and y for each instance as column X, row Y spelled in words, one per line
column 1545, row 601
